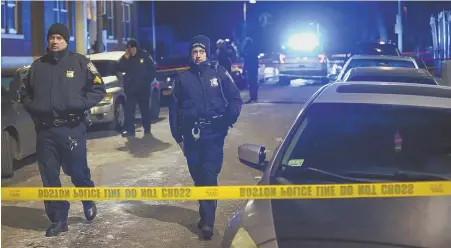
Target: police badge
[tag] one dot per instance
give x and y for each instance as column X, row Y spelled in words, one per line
column 214, row 82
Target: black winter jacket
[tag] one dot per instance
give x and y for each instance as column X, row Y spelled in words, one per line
column 197, row 94
column 140, row 71
column 58, row 86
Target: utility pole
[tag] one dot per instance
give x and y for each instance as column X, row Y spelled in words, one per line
column 154, row 40
column 99, row 47
column 399, row 25
column 244, row 20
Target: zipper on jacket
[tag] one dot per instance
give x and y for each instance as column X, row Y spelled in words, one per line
column 52, row 75
column 204, row 93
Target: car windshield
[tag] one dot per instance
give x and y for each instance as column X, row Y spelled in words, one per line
column 389, row 78
column 105, row 67
column 6, row 82
column 372, row 138
column 379, row 62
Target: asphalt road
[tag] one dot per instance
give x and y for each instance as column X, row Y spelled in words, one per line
column 155, row 161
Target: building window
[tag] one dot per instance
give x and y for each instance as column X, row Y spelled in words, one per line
column 108, row 18
column 71, row 17
column 60, row 12
column 10, row 17
column 126, row 19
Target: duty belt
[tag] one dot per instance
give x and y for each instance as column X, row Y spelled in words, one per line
column 203, row 123
column 72, row 119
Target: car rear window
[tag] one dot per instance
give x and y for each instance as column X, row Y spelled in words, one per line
column 378, row 49
column 379, row 63
column 338, row 137
column 388, row 78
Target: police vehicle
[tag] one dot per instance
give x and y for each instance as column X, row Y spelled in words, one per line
column 302, row 54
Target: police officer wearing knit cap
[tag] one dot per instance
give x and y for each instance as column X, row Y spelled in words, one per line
column 58, row 90
column 205, row 103
column 140, row 71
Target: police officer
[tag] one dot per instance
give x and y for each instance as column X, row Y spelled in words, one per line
column 58, row 90
column 205, row 103
column 140, row 72
column 223, row 56
column 251, row 69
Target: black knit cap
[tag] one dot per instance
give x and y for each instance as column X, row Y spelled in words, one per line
column 61, row 29
column 200, row 41
column 132, row 43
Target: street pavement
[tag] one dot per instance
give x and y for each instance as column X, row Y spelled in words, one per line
column 155, row 161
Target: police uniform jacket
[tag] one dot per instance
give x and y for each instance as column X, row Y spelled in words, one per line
column 203, row 91
column 57, row 87
column 139, row 71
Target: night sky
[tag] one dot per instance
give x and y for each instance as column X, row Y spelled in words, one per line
column 345, row 22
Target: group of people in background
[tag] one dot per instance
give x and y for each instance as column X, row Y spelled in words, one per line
column 227, row 54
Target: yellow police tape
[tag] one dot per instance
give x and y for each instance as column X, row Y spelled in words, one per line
column 323, row 191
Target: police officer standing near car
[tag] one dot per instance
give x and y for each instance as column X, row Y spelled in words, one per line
column 140, row 71
column 58, row 90
column 205, row 103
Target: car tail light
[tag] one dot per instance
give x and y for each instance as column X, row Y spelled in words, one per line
column 282, row 58
column 322, row 58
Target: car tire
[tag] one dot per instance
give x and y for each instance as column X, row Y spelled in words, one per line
column 155, row 106
column 119, row 115
column 8, row 154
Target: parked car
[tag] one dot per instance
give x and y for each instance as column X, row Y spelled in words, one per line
column 350, row 133
column 111, row 108
column 390, row 74
column 18, row 131
column 374, row 60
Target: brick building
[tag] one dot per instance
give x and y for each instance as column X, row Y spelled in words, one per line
column 25, row 24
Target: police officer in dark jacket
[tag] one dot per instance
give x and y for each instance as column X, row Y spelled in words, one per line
column 205, row 103
column 140, row 72
column 223, row 56
column 58, row 90
column 251, row 69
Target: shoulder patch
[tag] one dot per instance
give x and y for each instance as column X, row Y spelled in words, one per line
column 92, row 68
column 97, row 80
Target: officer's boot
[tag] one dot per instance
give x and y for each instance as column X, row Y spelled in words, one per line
column 90, row 211
column 56, row 228
column 207, row 232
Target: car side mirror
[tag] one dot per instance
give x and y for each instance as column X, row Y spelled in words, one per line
column 252, row 155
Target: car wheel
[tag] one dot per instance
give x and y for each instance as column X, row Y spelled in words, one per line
column 155, row 107
column 8, row 154
column 119, row 115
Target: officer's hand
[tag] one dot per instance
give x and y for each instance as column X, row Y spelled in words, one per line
column 127, row 53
